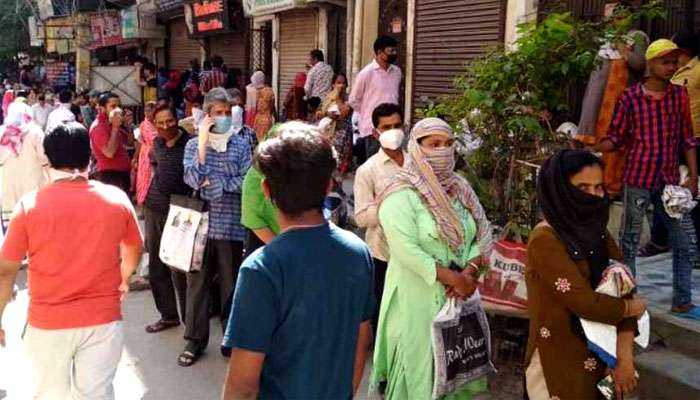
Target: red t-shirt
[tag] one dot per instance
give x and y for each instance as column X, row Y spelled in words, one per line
column 71, row 232
column 99, row 136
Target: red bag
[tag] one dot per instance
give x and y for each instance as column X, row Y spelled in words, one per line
column 503, row 288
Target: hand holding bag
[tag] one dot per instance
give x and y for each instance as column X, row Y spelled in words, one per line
column 461, row 345
column 185, row 234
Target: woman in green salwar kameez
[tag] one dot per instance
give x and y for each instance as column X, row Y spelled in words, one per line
column 431, row 219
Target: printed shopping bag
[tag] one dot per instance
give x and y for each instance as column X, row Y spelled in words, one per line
column 185, row 234
column 461, row 345
column 503, row 287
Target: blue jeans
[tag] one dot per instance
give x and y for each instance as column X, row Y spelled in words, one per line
column 636, row 203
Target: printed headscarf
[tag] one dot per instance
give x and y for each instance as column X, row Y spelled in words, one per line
column 431, row 174
column 15, row 127
column 257, row 81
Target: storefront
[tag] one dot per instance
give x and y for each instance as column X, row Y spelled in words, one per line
column 222, row 28
column 447, row 36
column 297, row 26
column 181, row 48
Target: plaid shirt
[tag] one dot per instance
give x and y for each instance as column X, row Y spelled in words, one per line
column 212, row 79
column 655, row 131
column 225, row 172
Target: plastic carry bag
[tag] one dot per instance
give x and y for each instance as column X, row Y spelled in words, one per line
column 185, row 234
column 461, row 345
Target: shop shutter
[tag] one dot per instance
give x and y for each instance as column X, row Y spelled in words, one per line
column 182, row 48
column 448, row 35
column 232, row 48
column 297, row 38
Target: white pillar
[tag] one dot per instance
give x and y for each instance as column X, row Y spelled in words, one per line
column 276, row 57
column 323, row 30
column 408, row 73
column 357, row 44
column 350, row 29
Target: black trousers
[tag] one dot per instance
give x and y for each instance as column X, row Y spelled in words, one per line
column 166, row 284
column 222, row 260
column 252, row 243
column 380, row 268
column 120, row 179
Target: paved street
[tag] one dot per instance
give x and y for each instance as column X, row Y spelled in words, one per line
column 148, row 369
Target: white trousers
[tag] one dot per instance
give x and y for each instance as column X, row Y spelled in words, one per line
column 74, row 364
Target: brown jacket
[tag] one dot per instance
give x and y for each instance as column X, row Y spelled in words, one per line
column 559, row 293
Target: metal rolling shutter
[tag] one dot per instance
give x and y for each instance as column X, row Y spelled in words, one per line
column 232, row 48
column 297, row 38
column 449, row 34
column 182, row 48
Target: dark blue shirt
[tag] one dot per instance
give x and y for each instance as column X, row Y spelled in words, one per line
column 300, row 301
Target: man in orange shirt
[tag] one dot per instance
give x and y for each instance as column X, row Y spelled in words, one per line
column 79, row 268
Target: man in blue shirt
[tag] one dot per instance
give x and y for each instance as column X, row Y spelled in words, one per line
column 215, row 163
column 300, row 321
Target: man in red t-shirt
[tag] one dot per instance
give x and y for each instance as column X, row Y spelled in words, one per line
column 109, row 138
column 79, row 268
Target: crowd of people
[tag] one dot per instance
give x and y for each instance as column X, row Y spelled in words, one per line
column 301, row 300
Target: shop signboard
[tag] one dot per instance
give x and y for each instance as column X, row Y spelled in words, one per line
column 106, row 30
column 207, row 17
column 256, row 8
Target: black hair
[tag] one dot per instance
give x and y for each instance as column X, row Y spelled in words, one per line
column 199, row 99
column 297, row 167
column 385, row 110
column 68, row 146
column 164, row 107
column 316, row 54
column 383, row 42
column 41, row 97
column 104, row 98
column 314, row 103
column 687, row 41
column 65, row 96
column 206, row 65
column 574, row 161
column 150, row 67
column 338, row 74
column 217, row 61
column 22, row 93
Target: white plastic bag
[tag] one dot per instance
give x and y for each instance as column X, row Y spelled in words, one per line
column 185, row 234
column 461, row 345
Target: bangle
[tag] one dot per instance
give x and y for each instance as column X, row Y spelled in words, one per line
column 473, row 265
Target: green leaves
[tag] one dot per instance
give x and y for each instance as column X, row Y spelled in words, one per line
column 517, row 92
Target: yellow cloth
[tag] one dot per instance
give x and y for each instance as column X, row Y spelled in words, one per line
column 689, row 76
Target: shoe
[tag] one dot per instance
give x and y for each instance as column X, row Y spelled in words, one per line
column 652, row 249
column 139, row 284
column 687, row 311
column 226, row 351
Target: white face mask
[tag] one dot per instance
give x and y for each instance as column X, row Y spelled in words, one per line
column 197, row 116
column 236, row 118
column 391, row 139
column 56, row 175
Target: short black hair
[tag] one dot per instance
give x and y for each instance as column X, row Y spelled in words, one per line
column 297, row 166
column 22, row 93
column 383, row 42
column 65, row 96
column 104, row 98
column 68, row 146
column 217, row 61
column 206, row 65
column 314, row 102
column 385, row 110
column 339, row 74
column 150, row 67
column 163, row 107
column 687, row 41
column 41, row 97
column 316, row 54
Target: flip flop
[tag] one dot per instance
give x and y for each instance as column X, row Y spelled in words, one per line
column 161, row 326
column 187, row 359
column 692, row 313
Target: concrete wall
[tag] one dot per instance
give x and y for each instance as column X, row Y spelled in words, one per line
column 518, row 12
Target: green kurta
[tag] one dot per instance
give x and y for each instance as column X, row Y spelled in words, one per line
column 413, row 296
column 257, row 211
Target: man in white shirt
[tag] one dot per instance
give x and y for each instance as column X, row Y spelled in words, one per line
column 370, row 181
column 62, row 114
column 320, row 76
column 41, row 111
column 379, row 82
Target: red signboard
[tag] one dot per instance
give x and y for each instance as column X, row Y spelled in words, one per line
column 209, row 16
column 106, row 30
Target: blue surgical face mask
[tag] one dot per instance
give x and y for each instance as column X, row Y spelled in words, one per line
column 222, row 124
